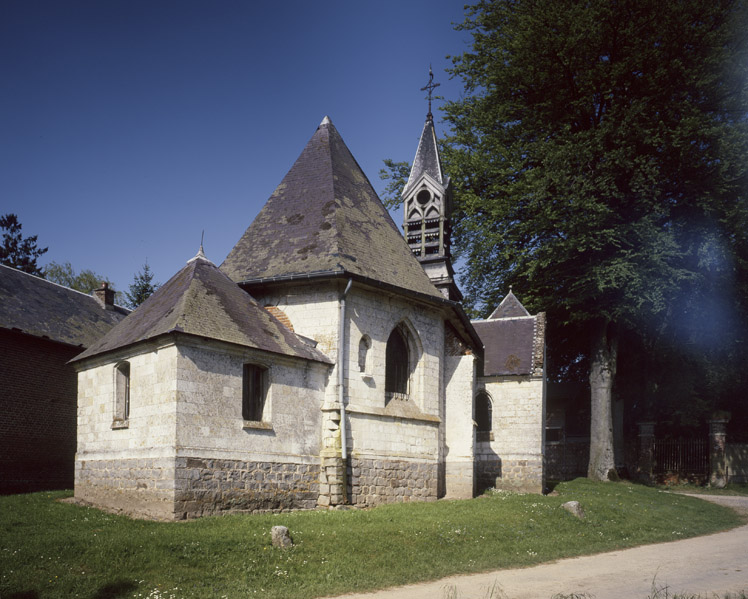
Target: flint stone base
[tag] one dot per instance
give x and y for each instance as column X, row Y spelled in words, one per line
column 207, row 486
column 374, row 482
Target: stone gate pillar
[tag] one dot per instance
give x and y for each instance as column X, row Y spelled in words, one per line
column 717, row 445
column 646, row 451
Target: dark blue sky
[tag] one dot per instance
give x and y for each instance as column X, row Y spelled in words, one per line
column 129, row 126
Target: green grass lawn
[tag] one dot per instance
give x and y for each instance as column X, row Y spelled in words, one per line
column 731, row 489
column 53, row 549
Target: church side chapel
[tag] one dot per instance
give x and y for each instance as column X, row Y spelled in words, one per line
column 326, row 362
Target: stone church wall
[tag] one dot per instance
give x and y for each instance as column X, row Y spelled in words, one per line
column 459, row 383
column 393, row 448
column 129, row 466
column 513, row 460
column 185, row 450
column 393, row 444
column 224, row 463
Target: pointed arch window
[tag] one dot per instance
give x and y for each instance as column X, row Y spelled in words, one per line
column 397, row 371
column 483, row 417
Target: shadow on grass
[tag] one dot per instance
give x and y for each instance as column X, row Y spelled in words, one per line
column 115, row 589
column 23, row 595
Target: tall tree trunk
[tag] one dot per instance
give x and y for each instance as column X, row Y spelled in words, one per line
column 602, row 375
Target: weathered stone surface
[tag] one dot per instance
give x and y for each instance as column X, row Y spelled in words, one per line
column 390, row 481
column 280, row 537
column 574, row 508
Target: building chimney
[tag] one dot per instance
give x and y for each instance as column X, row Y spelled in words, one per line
column 105, row 296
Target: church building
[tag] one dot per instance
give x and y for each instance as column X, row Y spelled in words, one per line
column 326, row 362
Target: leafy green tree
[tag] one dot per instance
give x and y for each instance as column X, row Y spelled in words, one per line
column 396, row 174
column 64, row 274
column 17, row 251
column 85, row 281
column 599, row 155
column 141, row 288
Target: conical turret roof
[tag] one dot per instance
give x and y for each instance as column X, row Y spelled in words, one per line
column 325, row 217
column 200, row 300
column 427, row 161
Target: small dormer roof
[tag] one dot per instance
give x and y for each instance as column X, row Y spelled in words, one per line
column 202, row 301
column 509, row 307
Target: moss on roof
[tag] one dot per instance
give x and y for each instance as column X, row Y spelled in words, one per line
column 44, row 309
column 325, row 217
column 200, row 300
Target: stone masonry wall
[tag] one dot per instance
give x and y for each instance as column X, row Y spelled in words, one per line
column 403, row 430
column 374, row 482
column 375, row 315
column 516, row 451
column 459, row 384
column 129, row 467
column 142, row 487
column 207, row 486
column 209, row 414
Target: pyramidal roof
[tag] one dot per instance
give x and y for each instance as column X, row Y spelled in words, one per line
column 200, row 300
column 326, row 218
column 510, row 307
column 427, row 159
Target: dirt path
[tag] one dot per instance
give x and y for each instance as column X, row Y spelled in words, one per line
column 715, row 563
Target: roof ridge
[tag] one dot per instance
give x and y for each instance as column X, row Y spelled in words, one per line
column 180, row 305
column 38, row 278
column 326, row 124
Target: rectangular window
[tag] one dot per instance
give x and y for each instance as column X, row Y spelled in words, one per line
column 121, row 395
column 253, row 392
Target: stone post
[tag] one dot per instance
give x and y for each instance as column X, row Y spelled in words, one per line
column 646, row 451
column 717, row 443
column 332, row 468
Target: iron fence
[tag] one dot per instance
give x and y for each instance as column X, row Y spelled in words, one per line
column 684, row 457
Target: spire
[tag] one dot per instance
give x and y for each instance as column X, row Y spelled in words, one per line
column 427, row 202
column 200, row 253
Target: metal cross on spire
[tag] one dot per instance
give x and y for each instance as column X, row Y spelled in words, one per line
column 430, row 86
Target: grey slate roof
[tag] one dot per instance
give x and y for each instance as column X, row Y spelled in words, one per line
column 427, row 159
column 325, row 217
column 507, row 345
column 44, row 309
column 512, row 339
column 200, row 300
column 510, row 306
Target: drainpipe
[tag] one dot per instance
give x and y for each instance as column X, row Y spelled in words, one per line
column 341, row 389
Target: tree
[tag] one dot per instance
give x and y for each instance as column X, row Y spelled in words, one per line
column 85, row 281
column 599, row 156
column 64, row 274
column 396, row 174
column 16, row 251
column 142, row 287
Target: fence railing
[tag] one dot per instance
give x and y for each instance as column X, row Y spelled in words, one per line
column 686, row 457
